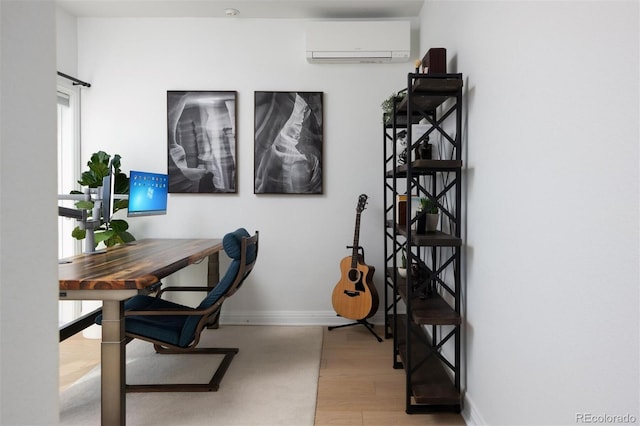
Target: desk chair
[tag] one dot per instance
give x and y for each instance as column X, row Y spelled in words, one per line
column 176, row 329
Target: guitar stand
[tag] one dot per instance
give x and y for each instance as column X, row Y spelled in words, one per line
column 360, row 251
column 364, row 322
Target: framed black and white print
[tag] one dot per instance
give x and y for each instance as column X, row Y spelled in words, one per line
column 288, row 140
column 201, row 128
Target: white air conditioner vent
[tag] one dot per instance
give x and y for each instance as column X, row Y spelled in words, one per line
column 358, row 41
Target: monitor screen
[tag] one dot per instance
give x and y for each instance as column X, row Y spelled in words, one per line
column 147, row 193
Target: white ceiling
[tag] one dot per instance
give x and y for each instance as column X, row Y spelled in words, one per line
column 302, row 9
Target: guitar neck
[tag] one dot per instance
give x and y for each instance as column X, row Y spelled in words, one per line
column 356, row 238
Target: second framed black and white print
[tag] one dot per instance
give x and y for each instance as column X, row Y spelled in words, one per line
column 201, row 127
column 288, row 143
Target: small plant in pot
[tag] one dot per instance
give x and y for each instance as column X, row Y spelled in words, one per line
column 388, row 105
column 402, row 269
column 387, row 108
column 427, row 216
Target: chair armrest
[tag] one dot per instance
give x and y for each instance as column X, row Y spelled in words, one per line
column 187, row 288
column 163, row 313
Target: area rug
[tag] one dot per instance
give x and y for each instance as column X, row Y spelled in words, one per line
column 272, row 381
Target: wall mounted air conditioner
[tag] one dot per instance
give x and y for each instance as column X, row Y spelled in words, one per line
column 358, row 41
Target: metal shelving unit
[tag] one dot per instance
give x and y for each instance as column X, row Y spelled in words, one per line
column 422, row 310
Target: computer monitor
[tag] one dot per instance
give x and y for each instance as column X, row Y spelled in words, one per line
column 148, row 193
column 107, row 196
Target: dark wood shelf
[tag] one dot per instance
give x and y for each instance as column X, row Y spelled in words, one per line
column 432, row 239
column 423, row 167
column 423, row 104
column 430, row 91
column 434, row 84
column 430, row 384
column 433, row 310
column 401, row 121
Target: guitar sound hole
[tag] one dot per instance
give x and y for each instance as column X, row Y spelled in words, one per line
column 355, row 276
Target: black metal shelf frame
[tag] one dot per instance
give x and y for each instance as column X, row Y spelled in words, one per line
column 436, row 100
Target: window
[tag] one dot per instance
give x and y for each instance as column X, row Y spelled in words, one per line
column 68, row 175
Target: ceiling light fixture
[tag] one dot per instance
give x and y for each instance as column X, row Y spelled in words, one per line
column 231, row 12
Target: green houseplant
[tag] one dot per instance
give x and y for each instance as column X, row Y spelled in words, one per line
column 428, row 215
column 428, row 206
column 402, row 269
column 388, row 104
column 387, row 108
column 114, row 231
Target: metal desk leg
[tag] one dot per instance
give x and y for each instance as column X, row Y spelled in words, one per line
column 113, row 363
column 213, row 270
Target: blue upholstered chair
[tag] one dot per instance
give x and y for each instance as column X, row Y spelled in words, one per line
column 175, row 328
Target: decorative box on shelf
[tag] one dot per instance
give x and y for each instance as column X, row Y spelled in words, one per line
column 435, row 61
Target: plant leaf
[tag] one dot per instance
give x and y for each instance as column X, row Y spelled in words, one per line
column 120, row 204
column 78, row 234
column 119, row 225
column 90, row 179
column 85, row 205
column 121, row 185
column 99, row 157
column 104, row 236
column 116, row 164
column 127, row 237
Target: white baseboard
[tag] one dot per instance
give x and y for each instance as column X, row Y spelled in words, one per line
column 470, row 413
column 290, row 318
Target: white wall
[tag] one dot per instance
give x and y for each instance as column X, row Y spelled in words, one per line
column 131, row 63
column 28, row 231
column 66, row 43
column 552, row 235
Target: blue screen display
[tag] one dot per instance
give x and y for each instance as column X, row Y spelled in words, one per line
column 147, row 193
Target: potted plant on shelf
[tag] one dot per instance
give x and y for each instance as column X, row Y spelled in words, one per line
column 388, row 104
column 111, row 231
column 402, row 270
column 427, row 216
column 387, row 108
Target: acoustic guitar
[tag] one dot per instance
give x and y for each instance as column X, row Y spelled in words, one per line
column 355, row 297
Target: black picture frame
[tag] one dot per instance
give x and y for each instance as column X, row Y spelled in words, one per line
column 288, row 142
column 201, row 141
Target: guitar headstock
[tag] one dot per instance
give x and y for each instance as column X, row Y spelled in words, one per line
column 362, row 203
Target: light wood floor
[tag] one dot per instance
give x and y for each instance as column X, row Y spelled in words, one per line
column 77, row 356
column 359, row 387
column 357, row 384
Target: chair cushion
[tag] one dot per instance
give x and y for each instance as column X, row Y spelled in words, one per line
column 222, row 287
column 232, row 242
column 166, row 328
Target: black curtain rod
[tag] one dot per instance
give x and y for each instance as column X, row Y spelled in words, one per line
column 75, row 80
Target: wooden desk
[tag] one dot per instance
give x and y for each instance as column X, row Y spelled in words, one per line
column 116, row 275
